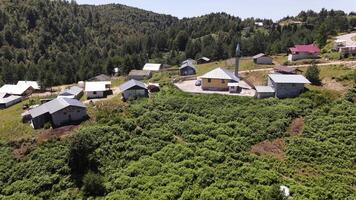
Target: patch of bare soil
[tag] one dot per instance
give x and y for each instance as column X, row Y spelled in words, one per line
column 179, row 139
column 332, row 84
column 22, row 147
column 270, row 148
column 296, row 127
column 58, row 133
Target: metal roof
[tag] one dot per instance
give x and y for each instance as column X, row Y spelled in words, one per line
column 264, row 89
column 54, row 106
column 259, row 56
column 14, row 89
column 311, row 48
column 132, row 83
column 204, row 58
column 74, row 90
column 139, row 73
column 152, row 67
column 97, row 86
column 187, row 64
column 33, row 84
column 220, row 73
column 286, row 78
column 101, row 77
column 285, row 69
column 9, row 99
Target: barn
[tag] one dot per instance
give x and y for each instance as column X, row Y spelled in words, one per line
column 187, row 69
column 262, row 59
column 139, row 74
column 8, row 100
column 287, row 86
column 133, row 89
column 58, row 112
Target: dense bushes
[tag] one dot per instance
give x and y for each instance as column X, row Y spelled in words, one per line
column 177, row 146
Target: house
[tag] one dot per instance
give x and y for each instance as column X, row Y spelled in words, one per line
column 284, row 70
column 262, row 59
column 152, row 67
column 203, row 60
column 299, row 52
column 139, row 74
column 7, row 100
column 264, row 92
column 133, row 89
column 58, row 112
column 218, row 80
column 33, row 84
column 287, row 86
column 98, row 89
column 73, row 92
column 101, row 77
column 19, row 90
column 348, row 51
column 187, row 69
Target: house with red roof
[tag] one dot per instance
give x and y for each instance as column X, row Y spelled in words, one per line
column 299, row 52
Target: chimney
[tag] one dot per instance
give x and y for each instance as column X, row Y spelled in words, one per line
column 238, row 56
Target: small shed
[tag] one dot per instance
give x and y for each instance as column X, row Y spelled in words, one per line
column 264, row 92
column 262, row 59
column 154, row 67
column 284, row 70
column 189, row 60
column 73, row 92
column 139, row 74
column 187, row 69
column 133, row 89
column 287, row 86
column 98, row 89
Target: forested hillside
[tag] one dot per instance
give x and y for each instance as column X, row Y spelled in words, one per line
column 57, row 42
column 178, row 146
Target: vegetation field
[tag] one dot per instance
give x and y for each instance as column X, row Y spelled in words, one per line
column 179, row 146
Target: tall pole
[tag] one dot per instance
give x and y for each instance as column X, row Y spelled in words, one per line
column 238, row 56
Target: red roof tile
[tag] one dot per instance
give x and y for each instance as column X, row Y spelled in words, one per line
column 311, row 48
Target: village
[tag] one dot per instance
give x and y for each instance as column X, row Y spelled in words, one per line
column 68, row 106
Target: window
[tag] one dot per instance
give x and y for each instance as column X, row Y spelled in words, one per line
column 223, row 81
column 94, row 92
column 209, row 80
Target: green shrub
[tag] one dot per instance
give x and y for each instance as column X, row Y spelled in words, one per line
column 93, row 184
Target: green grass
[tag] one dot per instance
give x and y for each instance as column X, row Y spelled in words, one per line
column 11, row 127
column 118, row 81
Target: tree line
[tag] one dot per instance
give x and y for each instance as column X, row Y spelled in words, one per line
column 57, row 42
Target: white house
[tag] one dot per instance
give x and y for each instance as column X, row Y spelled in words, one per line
column 299, row 52
column 154, row 67
column 58, row 112
column 98, row 89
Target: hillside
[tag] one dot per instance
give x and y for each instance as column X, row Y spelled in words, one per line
column 56, row 42
column 179, row 146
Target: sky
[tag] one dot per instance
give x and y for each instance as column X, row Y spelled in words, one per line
column 269, row 9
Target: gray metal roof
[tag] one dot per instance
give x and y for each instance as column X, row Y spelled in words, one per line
column 9, row 99
column 139, row 73
column 54, row 106
column 264, row 89
column 286, row 78
column 220, row 73
column 132, row 83
column 101, row 77
column 74, row 90
column 187, row 63
column 259, row 55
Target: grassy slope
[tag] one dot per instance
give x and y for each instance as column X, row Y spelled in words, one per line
column 11, row 127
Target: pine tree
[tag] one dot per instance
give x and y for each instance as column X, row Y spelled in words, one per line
column 312, row 74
